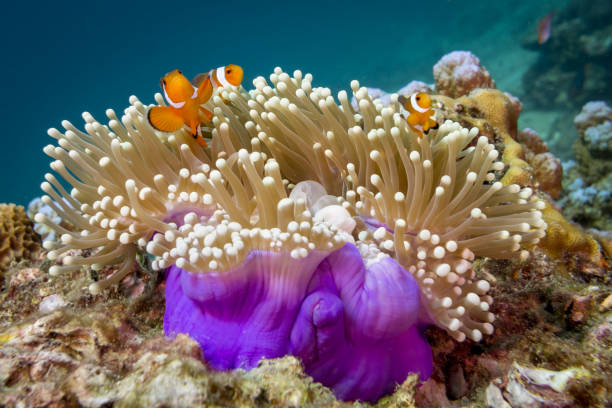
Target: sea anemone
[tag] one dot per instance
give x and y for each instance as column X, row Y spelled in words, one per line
column 305, row 227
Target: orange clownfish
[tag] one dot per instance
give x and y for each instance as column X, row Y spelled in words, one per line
column 184, row 100
column 229, row 75
column 420, row 116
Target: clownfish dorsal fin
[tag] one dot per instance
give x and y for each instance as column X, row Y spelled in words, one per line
column 402, row 99
column 198, row 79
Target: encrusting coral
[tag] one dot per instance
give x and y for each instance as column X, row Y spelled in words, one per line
column 306, row 227
column 17, row 237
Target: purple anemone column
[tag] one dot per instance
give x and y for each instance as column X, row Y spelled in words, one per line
column 241, row 315
column 353, row 325
column 357, row 331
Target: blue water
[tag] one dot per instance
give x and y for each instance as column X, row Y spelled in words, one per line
column 63, row 58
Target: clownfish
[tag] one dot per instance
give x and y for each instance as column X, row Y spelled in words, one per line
column 184, row 100
column 421, row 113
column 229, row 75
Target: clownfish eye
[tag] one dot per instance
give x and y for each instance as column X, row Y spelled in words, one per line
column 229, row 71
column 418, row 98
column 179, row 71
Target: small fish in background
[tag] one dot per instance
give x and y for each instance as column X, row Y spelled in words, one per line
column 227, row 76
column 544, row 28
column 184, row 100
column 421, row 113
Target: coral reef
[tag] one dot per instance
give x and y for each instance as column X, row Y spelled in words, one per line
column 572, row 67
column 458, row 73
column 495, row 114
column 18, row 240
column 548, row 172
column 588, row 185
column 320, row 219
column 111, row 347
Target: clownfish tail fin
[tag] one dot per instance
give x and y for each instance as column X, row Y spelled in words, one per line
column 434, row 126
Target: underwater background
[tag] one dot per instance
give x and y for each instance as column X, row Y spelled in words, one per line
column 71, row 56
column 305, row 244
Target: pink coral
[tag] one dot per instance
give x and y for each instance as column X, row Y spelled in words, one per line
column 548, row 172
column 458, row 73
column 414, row 86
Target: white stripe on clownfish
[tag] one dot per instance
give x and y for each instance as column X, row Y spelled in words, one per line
column 415, row 104
column 195, row 93
column 177, row 105
column 221, row 77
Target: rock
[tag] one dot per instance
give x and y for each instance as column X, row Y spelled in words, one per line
column 494, row 397
column 606, row 304
column 456, row 385
column 533, row 388
column 432, row 394
column 577, row 309
column 51, row 303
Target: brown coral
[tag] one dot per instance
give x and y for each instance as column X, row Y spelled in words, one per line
column 547, row 167
column 17, row 237
column 530, row 139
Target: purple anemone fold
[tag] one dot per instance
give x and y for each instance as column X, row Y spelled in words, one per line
column 354, row 325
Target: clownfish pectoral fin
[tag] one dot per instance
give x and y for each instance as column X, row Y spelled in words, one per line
column 165, row 118
column 418, row 129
